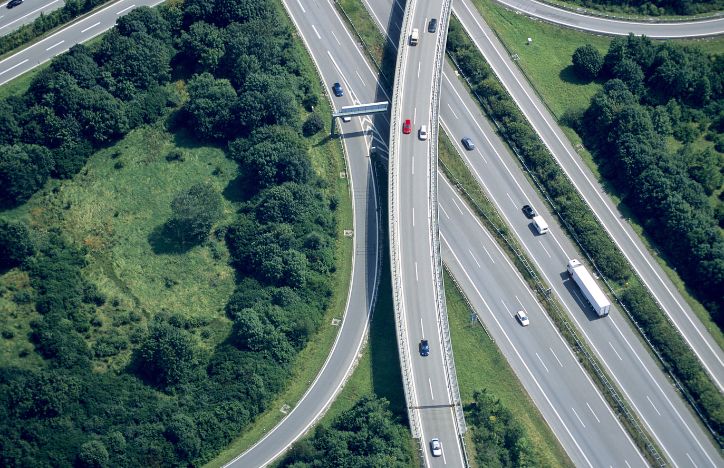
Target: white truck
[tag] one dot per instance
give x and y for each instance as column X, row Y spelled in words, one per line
column 587, row 284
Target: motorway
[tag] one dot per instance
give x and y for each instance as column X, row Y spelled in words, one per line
column 681, row 315
column 353, row 68
column 550, row 372
column 430, row 383
column 567, row 399
column 610, row 26
column 653, row 398
column 26, row 12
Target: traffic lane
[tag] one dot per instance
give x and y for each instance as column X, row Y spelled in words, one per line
column 647, row 390
column 609, row 26
column 694, row 333
column 59, row 42
column 536, row 351
column 16, row 16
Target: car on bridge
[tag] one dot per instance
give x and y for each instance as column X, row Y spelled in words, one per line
column 14, row 3
column 435, row 447
column 424, row 348
column 407, row 127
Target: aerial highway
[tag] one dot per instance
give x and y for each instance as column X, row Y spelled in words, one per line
column 13, row 16
column 357, row 139
column 618, row 27
column 673, row 304
column 653, row 398
column 548, row 369
column 434, row 409
column 586, row 434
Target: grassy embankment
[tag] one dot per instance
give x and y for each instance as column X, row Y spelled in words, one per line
column 547, row 64
column 113, row 207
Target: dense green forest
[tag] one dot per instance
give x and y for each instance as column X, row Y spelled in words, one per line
column 366, row 435
column 657, row 130
column 654, row 7
column 224, row 73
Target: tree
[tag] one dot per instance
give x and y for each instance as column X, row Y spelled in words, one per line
column 23, row 170
column 203, row 46
column 93, row 454
column 182, row 433
column 145, row 20
column 272, row 156
column 167, row 357
column 312, row 125
column 210, row 107
column 630, row 73
column 193, row 212
column 15, row 244
column 587, row 62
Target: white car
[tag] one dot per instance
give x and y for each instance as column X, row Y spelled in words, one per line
column 522, row 318
column 423, row 132
column 435, row 447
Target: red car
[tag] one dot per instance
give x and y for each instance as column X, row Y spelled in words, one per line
column 407, row 127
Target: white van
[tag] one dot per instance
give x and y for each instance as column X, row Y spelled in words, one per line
column 414, row 37
column 540, row 224
column 422, row 134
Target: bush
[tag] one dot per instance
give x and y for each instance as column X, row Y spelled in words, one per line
column 587, row 62
column 193, row 212
column 312, row 125
column 15, row 244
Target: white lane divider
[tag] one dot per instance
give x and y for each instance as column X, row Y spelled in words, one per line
column 579, row 418
column 125, row 9
column 443, row 209
column 593, row 413
column 652, row 405
column 542, row 363
column 301, row 6
column 453, row 111
column 614, row 350
column 555, row 356
column 316, row 32
column 13, row 67
column 54, row 45
column 491, row 257
column 335, row 38
column 473, row 257
column 90, row 27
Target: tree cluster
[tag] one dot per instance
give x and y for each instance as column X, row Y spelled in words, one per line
column 365, row 435
column 499, row 439
column 86, row 99
column 176, row 403
column 655, row 7
column 655, row 92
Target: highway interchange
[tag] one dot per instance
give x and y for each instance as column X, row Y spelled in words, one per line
column 338, row 56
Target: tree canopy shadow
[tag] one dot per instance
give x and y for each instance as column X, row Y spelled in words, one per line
column 569, row 75
column 164, row 240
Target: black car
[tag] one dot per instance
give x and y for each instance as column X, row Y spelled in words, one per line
column 528, row 211
column 338, row 91
column 424, row 348
column 468, row 144
column 432, row 25
column 14, row 3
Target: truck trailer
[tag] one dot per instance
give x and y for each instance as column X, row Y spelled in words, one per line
column 587, row 284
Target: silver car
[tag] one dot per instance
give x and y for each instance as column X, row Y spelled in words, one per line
column 435, row 447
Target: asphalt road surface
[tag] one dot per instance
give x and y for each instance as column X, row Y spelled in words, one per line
column 412, row 211
column 14, row 17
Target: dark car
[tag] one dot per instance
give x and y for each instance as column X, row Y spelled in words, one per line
column 14, row 3
column 432, row 25
column 528, row 211
column 424, row 348
column 338, row 91
column 468, row 144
